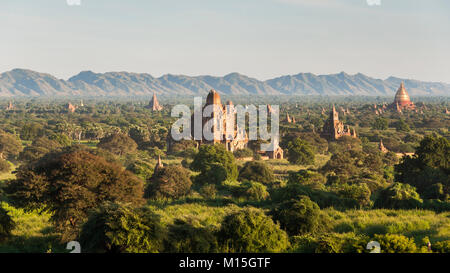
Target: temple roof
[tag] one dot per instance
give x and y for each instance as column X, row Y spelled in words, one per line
column 402, row 95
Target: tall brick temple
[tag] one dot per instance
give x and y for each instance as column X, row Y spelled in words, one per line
column 334, row 129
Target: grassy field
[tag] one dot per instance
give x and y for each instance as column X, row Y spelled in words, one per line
column 33, row 233
column 415, row 224
column 10, row 174
column 282, row 167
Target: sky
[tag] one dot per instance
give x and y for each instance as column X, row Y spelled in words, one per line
column 259, row 38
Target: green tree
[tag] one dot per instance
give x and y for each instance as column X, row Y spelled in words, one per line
column 4, row 166
column 430, row 165
column 344, row 164
column 394, row 243
column 62, row 139
column 256, row 171
column 6, row 224
column 242, row 153
column 208, row 191
column 441, row 247
column 308, row 178
column 355, row 195
column 118, row 228
column 399, row 196
column 184, row 237
column 30, row 131
column 118, row 144
column 251, row 231
column 69, row 184
column 254, row 191
column 298, row 216
column 38, row 148
column 300, row 152
column 139, row 134
column 380, row 124
column 215, row 164
column 10, row 146
column 169, row 182
column 402, row 126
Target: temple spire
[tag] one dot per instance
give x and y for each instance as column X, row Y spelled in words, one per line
column 381, row 147
column 159, row 164
column 154, row 104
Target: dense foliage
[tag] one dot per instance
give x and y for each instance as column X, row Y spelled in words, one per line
column 298, row 216
column 6, row 224
column 169, row 182
column 118, row 228
column 300, row 152
column 215, row 164
column 256, row 171
column 429, row 169
column 69, row 184
column 250, row 230
column 184, row 237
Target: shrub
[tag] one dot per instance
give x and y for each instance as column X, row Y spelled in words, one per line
column 4, row 166
column 341, row 243
column 254, row 191
column 120, row 228
column 441, row 247
column 307, row 178
column 118, row 144
column 393, row 243
column 216, row 174
column 169, row 182
column 380, row 124
column 436, row 191
column 185, row 238
column 256, row 171
column 10, row 146
column 299, row 216
column 242, row 153
column 402, row 126
column 6, row 224
column 251, row 231
column 300, row 152
column 399, row 196
column 354, row 196
column 321, row 197
column 208, row 191
column 305, row 243
column 330, row 243
column 184, row 148
column 62, row 139
column 38, row 149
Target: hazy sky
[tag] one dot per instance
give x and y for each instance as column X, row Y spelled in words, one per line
column 258, row 38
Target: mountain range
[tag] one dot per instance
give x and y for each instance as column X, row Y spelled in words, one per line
column 28, row 83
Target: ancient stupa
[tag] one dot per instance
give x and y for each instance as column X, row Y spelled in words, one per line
column 381, row 147
column 402, row 100
column 154, row 104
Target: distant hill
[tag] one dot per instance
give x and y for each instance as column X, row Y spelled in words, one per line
column 21, row 82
